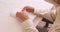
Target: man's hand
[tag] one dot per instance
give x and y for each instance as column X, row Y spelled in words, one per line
column 28, row 9
column 21, row 15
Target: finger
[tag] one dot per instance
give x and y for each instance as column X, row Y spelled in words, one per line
column 28, row 8
column 22, row 16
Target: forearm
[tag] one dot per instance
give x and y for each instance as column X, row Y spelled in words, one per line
column 49, row 14
column 29, row 26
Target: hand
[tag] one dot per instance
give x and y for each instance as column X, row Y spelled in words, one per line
column 21, row 15
column 28, row 9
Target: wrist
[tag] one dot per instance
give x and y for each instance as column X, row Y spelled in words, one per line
column 36, row 11
column 27, row 23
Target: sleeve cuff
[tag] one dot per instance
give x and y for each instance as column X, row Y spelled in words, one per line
column 36, row 11
column 27, row 23
column 31, row 29
column 29, row 26
column 41, row 11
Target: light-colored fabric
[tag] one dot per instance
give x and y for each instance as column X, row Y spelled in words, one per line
column 56, row 26
column 29, row 26
column 49, row 14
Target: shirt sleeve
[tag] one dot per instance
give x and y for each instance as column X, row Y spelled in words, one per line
column 29, row 26
column 46, row 13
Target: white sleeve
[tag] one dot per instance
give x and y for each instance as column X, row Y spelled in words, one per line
column 41, row 11
column 29, row 26
column 46, row 13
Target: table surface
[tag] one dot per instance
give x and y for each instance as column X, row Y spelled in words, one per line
column 11, row 24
